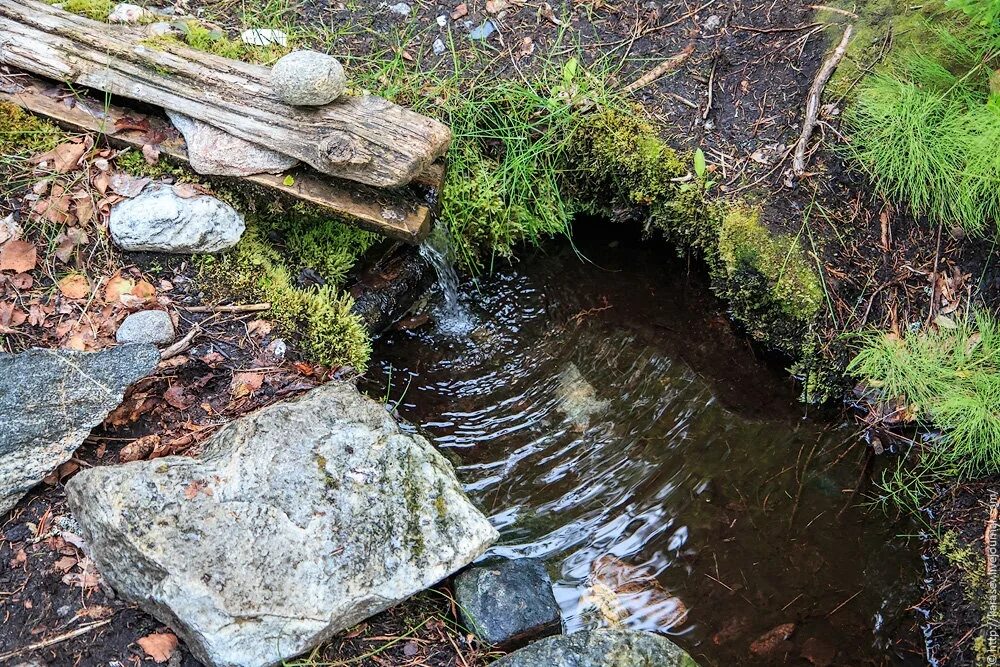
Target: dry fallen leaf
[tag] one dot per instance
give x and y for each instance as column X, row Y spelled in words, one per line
column 151, row 153
column 245, row 384
column 64, row 157
column 74, row 286
column 159, row 646
column 116, row 287
column 459, row 12
column 18, row 256
column 127, row 186
column 140, row 449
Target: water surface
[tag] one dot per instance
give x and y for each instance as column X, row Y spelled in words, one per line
column 605, row 415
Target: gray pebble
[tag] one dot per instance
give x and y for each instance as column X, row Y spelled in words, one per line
column 308, row 78
column 146, row 326
column 439, row 46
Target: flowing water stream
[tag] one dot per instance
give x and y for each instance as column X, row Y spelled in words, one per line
column 605, row 415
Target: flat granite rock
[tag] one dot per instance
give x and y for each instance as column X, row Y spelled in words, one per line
column 215, row 152
column 600, row 648
column 49, row 402
column 508, row 601
column 296, row 522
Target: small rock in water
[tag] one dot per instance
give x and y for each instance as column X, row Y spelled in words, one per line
column 439, row 46
column 295, row 522
column 160, row 220
column 128, row 13
column 308, row 78
column 49, row 402
column 483, row 31
column 578, row 398
column 147, row 326
column 264, row 37
column 600, row 648
column 400, row 8
column 215, row 152
column 507, row 602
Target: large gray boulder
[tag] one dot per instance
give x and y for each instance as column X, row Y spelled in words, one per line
column 216, row 152
column 600, row 648
column 49, row 402
column 508, row 601
column 159, row 219
column 296, row 522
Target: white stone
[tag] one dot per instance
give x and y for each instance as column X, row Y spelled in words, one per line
column 308, row 78
column 264, row 37
column 146, row 326
column 215, row 152
column 128, row 13
column 160, row 220
column 296, row 522
column 400, row 8
column 442, row 20
column 439, row 46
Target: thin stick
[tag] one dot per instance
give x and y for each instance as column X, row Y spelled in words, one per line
column 248, row 308
column 812, row 102
column 670, row 64
column 82, row 630
column 835, row 10
column 181, row 345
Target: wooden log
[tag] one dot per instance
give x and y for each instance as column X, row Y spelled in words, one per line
column 360, row 138
column 400, row 214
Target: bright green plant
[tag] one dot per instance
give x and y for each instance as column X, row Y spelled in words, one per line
column 949, row 379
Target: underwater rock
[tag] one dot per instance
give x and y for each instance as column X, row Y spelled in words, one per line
column 160, row 220
column 296, row 522
column 507, row 601
column 621, row 593
column 308, row 78
column 49, row 402
column 215, row 152
column 578, row 398
column 600, row 648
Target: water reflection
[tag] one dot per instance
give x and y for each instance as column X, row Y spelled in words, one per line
column 610, row 422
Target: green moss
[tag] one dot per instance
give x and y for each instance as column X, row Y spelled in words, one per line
column 215, row 41
column 132, row 162
column 746, row 245
column 21, row 133
column 321, row 316
column 97, row 10
column 621, row 153
column 966, row 559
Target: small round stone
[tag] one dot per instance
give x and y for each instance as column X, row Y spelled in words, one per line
column 146, row 326
column 308, row 78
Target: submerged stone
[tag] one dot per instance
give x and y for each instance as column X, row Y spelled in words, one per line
column 49, row 402
column 296, row 522
column 578, row 398
column 507, row 601
column 600, row 648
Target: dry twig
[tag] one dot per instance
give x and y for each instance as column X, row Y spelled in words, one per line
column 671, row 63
column 812, row 102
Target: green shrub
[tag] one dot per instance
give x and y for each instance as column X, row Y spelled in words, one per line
column 949, row 379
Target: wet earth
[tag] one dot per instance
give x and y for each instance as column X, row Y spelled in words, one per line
column 601, row 409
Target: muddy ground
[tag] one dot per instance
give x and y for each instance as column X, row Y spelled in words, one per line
column 739, row 94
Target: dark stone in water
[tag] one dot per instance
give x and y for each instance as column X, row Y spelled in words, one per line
column 600, row 648
column 508, row 602
column 385, row 291
column 49, row 402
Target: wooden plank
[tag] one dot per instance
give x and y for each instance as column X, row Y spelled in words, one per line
column 359, row 138
column 399, row 214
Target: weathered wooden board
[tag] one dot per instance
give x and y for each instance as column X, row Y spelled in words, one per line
column 365, row 139
column 401, row 214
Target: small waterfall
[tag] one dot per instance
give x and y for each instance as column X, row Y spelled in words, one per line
column 453, row 317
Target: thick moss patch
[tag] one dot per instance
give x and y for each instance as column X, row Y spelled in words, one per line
column 24, row 134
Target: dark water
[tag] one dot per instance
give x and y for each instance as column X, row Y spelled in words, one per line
column 609, row 420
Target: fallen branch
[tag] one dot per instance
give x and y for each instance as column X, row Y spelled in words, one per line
column 671, row 63
column 835, row 10
column 812, row 102
column 82, row 630
column 246, row 308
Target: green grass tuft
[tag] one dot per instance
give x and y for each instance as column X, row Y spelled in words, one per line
column 950, row 378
